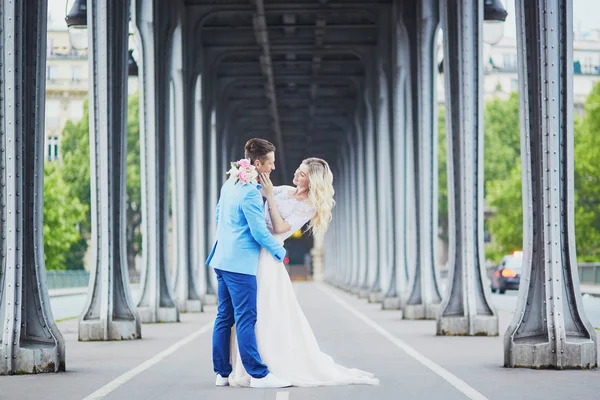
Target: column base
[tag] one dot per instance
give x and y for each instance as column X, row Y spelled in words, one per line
column 161, row 314
column 93, row 330
column 355, row 290
column 420, row 311
column 391, row 303
column 39, row 360
column 363, row 293
column 191, row 306
column 537, row 352
column 481, row 325
column 375, row 297
column 209, row 299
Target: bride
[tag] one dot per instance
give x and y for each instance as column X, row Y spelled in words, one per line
column 286, row 342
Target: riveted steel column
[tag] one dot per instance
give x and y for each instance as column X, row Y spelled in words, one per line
column 361, row 206
column 29, row 341
column 421, row 20
column 155, row 23
column 371, row 196
column 549, row 328
column 213, row 196
column 396, row 295
column 198, row 189
column 355, row 246
column 466, row 309
column 384, row 188
column 185, row 289
column 109, row 313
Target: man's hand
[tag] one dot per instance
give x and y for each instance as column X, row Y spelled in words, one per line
column 266, row 184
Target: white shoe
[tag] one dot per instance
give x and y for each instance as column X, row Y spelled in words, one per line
column 221, row 381
column 269, row 381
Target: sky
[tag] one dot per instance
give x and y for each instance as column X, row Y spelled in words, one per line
column 585, row 18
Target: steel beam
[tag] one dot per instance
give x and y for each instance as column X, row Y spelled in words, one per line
column 549, row 328
column 466, row 308
column 30, row 341
column 262, row 36
column 421, row 19
column 155, row 23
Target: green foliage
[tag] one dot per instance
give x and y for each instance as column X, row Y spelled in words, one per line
column 587, row 180
column 75, row 152
column 502, row 143
column 63, row 214
column 442, row 176
column 504, row 182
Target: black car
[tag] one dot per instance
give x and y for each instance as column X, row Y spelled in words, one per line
column 507, row 275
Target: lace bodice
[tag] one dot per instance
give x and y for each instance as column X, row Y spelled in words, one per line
column 294, row 212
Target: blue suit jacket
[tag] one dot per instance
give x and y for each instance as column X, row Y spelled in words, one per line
column 241, row 230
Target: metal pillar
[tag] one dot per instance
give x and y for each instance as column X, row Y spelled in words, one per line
column 213, row 196
column 155, row 23
column 549, row 328
column 109, row 313
column 396, row 295
column 371, row 198
column 198, row 191
column 185, row 289
column 385, row 266
column 421, row 20
column 466, row 308
column 359, row 165
column 30, row 341
column 355, row 245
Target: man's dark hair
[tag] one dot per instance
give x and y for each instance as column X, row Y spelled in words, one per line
column 257, row 149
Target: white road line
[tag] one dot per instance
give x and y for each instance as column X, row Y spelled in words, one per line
column 109, row 387
column 452, row 379
column 282, row 396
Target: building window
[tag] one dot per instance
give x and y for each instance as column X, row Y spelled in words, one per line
column 52, row 72
column 76, row 73
column 52, row 148
column 514, row 85
column 75, row 110
column 52, row 114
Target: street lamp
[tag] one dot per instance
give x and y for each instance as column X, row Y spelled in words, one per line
column 77, row 22
column 494, row 16
column 132, row 67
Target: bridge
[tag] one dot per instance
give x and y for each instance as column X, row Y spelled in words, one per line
column 352, row 82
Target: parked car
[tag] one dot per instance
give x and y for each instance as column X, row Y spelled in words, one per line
column 507, row 275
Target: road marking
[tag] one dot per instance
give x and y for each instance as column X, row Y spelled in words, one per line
column 282, row 396
column 459, row 384
column 111, row 386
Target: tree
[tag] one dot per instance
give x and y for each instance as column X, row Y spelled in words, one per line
column 502, row 139
column 63, row 213
column 442, row 178
column 505, row 191
column 134, row 187
column 75, row 151
column 587, row 180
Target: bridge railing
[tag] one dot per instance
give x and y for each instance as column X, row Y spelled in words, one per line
column 67, row 279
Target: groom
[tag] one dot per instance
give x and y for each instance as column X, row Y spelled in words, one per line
column 241, row 232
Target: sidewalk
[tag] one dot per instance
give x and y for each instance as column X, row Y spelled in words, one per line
column 173, row 361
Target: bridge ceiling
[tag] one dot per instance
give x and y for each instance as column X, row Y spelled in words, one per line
column 317, row 58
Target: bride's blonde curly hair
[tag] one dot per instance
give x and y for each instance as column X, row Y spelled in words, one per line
column 320, row 194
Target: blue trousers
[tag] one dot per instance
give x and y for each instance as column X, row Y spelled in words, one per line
column 237, row 304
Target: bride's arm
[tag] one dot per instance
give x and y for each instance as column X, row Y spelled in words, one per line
column 279, row 224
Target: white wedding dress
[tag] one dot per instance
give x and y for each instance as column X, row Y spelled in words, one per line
column 286, row 342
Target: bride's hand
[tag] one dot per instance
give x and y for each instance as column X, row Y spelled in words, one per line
column 266, row 184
